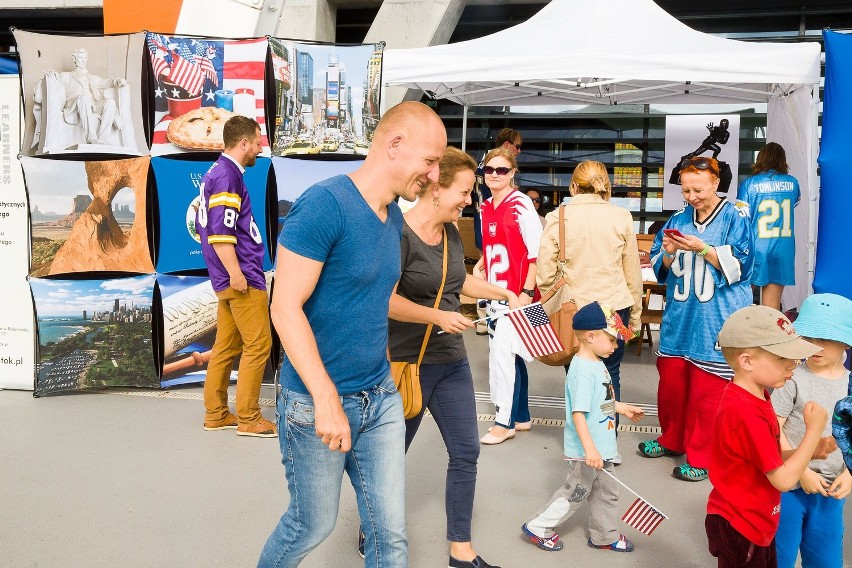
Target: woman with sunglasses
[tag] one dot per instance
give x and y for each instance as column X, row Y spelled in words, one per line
column 535, row 197
column 445, row 378
column 703, row 255
column 511, row 233
column 601, row 253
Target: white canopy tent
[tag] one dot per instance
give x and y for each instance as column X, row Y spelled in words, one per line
column 631, row 51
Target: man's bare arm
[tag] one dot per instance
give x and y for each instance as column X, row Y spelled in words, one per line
column 295, row 280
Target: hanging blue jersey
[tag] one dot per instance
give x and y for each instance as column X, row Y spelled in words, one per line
column 700, row 297
column 771, row 198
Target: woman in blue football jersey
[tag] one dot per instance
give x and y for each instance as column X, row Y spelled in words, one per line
column 772, row 194
column 703, row 255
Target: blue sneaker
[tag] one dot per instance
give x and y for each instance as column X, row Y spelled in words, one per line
column 621, row 545
column 550, row 543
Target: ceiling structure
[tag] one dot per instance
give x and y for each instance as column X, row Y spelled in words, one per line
column 775, row 20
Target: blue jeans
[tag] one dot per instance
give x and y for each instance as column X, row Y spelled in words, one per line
column 375, row 466
column 813, row 525
column 448, row 393
column 520, row 397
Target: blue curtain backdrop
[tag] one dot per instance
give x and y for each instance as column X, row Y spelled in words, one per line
column 833, row 269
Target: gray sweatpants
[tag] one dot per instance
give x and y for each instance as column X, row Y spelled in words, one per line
column 583, row 483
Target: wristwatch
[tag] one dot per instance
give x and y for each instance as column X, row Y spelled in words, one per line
column 528, row 292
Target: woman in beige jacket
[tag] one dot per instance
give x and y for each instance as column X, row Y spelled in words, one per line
column 601, row 256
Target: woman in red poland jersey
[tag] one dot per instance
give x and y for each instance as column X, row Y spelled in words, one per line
column 511, row 232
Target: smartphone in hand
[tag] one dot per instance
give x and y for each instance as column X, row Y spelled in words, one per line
column 673, row 233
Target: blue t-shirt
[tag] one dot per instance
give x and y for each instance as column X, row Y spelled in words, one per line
column 700, row 297
column 771, row 198
column 224, row 216
column 588, row 389
column 348, row 310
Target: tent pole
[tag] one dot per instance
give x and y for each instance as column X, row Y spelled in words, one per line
column 464, row 128
column 813, row 182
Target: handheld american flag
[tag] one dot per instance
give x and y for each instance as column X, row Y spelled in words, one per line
column 533, row 325
column 643, row 517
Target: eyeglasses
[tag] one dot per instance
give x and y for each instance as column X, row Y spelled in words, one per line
column 501, row 171
column 535, row 199
column 517, row 146
column 700, row 163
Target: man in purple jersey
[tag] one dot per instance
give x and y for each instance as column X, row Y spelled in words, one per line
column 233, row 250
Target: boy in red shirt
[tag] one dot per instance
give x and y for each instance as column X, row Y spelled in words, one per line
column 747, row 469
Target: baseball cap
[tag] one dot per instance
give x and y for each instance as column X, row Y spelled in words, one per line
column 826, row 316
column 597, row 316
column 767, row 328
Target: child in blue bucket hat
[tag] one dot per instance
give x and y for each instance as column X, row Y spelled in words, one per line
column 811, row 521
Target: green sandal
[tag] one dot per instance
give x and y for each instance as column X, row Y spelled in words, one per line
column 686, row 472
column 653, row 449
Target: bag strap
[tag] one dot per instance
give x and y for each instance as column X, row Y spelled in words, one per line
column 437, row 300
column 560, row 260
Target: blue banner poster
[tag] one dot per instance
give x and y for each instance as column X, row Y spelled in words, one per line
column 178, row 183
column 94, row 333
column 294, row 176
column 199, row 84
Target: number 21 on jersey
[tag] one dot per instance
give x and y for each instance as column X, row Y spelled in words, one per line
column 770, row 211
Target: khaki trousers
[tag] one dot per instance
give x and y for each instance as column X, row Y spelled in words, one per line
column 242, row 330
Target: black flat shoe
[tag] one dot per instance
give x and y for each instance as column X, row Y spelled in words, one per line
column 477, row 562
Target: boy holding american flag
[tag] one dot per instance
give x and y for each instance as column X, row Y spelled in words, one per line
column 590, row 435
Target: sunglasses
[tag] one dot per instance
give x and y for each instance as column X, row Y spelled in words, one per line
column 535, row 199
column 518, row 146
column 501, row 171
column 700, row 163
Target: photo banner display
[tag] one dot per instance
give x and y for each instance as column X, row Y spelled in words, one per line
column 189, row 327
column 688, row 133
column 94, row 333
column 17, row 348
column 294, row 176
column 82, row 94
column 88, row 216
column 327, row 97
column 199, row 84
column 190, row 310
column 178, row 196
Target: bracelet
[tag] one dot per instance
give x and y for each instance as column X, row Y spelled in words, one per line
column 705, row 250
column 667, row 254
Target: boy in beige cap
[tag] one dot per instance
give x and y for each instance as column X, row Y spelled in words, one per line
column 747, row 469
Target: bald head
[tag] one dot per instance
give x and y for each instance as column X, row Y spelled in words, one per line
column 407, row 145
column 405, row 118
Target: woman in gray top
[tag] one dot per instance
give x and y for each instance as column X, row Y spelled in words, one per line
column 445, row 377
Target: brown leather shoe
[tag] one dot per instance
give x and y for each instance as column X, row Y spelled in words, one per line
column 263, row 428
column 229, row 422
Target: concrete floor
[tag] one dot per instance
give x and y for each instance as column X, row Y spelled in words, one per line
column 130, row 479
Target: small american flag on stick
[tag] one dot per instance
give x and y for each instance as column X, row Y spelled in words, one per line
column 643, row 517
column 533, row 325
